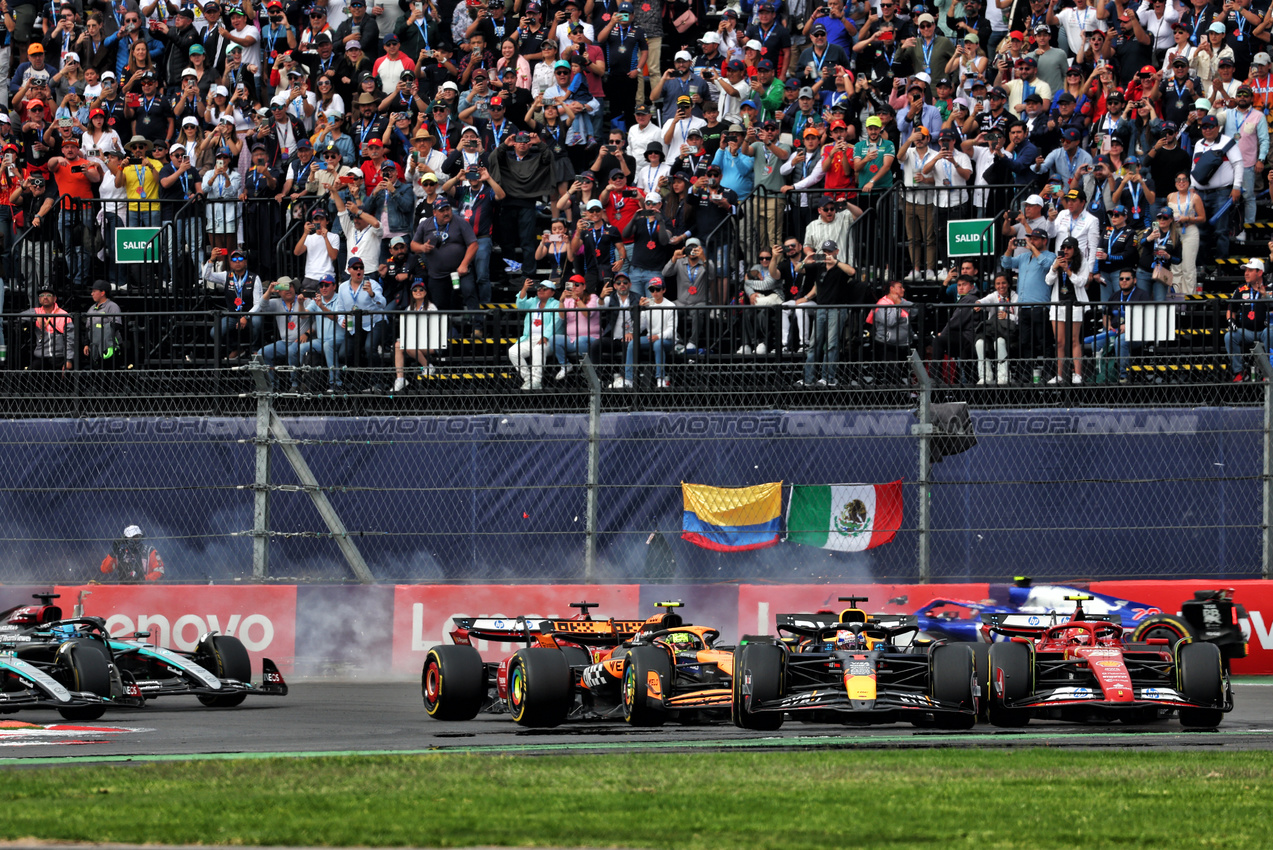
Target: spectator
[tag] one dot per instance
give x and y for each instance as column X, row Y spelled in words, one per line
column 768, row 154
column 35, row 199
column 368, row 299
column 53, row 340
column 140, row 179
column 1116, row 252
column 131, row 561
column 958, row 336
column 831, row 225
column 760, row 293
column 892, row 333
column 835, row 291
column 1159, row 250
column 320, row 248
column 1187, row 210
column 657, row 334
column 692, row 272
column 620, row 320
column 1069, row 294
column 1114, row 335
column 999, row 329
column 1250, row 129
column 360, row 228
column 1034, row 292
column 1075, row 222
column 1248, row 317
column 331, row 310
column 538, row 332
column 647, row 232
column 523, row 167
column 449, row 246
column 920, row 207
column 222, row 187
column 786, row 268
column 580, row 325
column 103, row 330
column 293, row 324
column 1217, row 176
column 416, row 333
column 75, row 178
column 598, row 245
column 243, row 291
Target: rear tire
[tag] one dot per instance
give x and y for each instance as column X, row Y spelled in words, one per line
column 1167, row 626
column 763, row 662
column 84, row 667
column 540, row 687
column 953, row 669
column 638, row 708
column 1014, row 661
column 1201, row 680
column 453, row 682
column 226, row 658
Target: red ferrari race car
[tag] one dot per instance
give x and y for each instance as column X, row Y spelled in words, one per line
column 1080, row 669
column 641, row 671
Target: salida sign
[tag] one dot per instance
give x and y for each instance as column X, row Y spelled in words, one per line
column 131, row 244
column 970, row 238
column 263, row 618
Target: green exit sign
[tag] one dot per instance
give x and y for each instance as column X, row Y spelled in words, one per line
column 970, row 238
column 131, row 244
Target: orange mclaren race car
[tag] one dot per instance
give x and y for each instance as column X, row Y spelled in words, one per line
column 641, row 672
column 853, row 668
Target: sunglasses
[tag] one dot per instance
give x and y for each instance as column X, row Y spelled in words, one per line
column 1126, row 277
column 357, row 268
column 763, row 257
column 331, row 156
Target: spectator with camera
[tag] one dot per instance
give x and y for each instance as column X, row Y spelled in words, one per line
column 293, row 324
column 36, row 201
column 320, row 248
column 1034, row 291
column 243, row 290
column 75, row 177
column 580, row 326
column 368, row 301
column 998, row 314
column 598, row 246
column 538, row 332
column 449, row 246
column 834, row 292
column 794, row 286
column 648, row 235
column 331, row 309
column 693, row 274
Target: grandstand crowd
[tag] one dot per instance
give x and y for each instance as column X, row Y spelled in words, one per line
column 626, row 167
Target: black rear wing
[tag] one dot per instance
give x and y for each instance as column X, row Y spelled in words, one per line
column 515, row 629
column 880, row 626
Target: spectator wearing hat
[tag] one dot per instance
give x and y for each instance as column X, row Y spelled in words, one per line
column 657, row 323
column 644, row 131
column 103, row 330
column 53, row 338
column 477, row 198
column 677, row 82
column 693, row 273
column 736, row 163
column 353, row 68
column 179, row 182
column 364, row 29
column 873, row 160
column 320, row 247
column 331, row 310
column 36, row 200
column 140, row 177
column 539, row 329
column 958, row 336
column 241, row 326
column 391, row 199
column 1248, row 126
column 1068, row 163
column 449, row 246
column 803, row 173
column 278, row 36
column 652, row 176
column 293, row 325
column 579, row 326
column 819, row 61
column 836, row 289
column 1212, row 48
column 676, row 130
column 523, row 167
column 648, row 237
column 767, row 90
column 768, row 154
column 917, row 112
column 1076, row 222
column 834, row 220
column 367, row 298
column 1159, row 248
column 388, row 69
column 1248, row 317
column 1261, row 80
column 1025, row 83
column 598, row 245
column 927, row 53
column 29, row 74
column 1222, row 189
column 1034, row 292
column 361, row 230
column 1116, row 252
column 1134, row 191
column 920, row 204
column 775, row 40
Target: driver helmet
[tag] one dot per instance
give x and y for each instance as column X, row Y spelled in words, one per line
column 132, row 531
column 845, row 639
column 65, row 632
column 680, row 641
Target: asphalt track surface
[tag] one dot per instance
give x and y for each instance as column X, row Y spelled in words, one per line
column 340, row 718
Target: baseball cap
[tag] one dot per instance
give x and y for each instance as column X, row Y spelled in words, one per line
column 1118, row 209
column 1034, row 200
column 764, row 65
column 1039, row 233
column 805, row 92
column 594, row 204
column 874, row 121
column 830, row 245
column 925, row 19
column 1216, row 27
column 654, row 198
column 1258, row 265
column 1070, row 134
column 1075, row 195
column 683, row 55
column 35, row 47
column 1209, row 121
column 1261, row 58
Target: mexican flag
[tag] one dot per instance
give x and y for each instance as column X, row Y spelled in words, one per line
column 844, row 517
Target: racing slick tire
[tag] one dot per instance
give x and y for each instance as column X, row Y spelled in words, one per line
column 953, row 672
column 576, row 656
column 1167, row 626
column 540, row 687
column 83, row 666
column 1201, row 680
column 226, row 658
column 453, row 682
column 1013, row 661
column 763, row 662
column 638, row 708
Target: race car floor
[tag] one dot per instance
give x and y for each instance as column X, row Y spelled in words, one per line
column 331, row 718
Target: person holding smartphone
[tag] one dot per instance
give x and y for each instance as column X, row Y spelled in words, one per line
column 75, row 176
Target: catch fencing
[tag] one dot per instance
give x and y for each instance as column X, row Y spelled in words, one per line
column 233, row 476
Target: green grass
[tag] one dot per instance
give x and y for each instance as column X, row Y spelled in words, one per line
column 928, row 799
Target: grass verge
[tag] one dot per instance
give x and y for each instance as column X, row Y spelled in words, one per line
column 1035, row 798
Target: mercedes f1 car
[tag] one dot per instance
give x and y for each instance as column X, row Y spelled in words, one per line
column 641, row 671
column 48, row 662
column 1079, row 668
column 853, row 668
column 218, row 672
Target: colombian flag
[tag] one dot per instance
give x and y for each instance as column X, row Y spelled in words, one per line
column 732, row 519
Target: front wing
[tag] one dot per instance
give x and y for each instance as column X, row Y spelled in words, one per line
column 1142, row 697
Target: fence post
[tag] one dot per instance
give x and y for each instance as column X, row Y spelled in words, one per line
column 1266, row 482
column 924, row 430
column 261, row 480
column 594, row 468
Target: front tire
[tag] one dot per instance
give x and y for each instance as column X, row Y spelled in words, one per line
column 453, row 682
column 638, row 708
column 1201, row 679
column 1013, row 662
column 226, row 658
column 763, row 663
column 540, row 687
column 83, row 666
column 953, row 671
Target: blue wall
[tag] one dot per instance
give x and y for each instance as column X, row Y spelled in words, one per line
column 1048, row 493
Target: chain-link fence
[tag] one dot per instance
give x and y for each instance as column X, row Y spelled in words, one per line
column 232, row 479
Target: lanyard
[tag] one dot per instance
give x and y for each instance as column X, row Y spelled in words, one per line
column 443, row 135
column 424, row 33
column 1109, row 242
column 1134, row 189
column 365, row 131
column 238, row 283
column 147, row 104
column 141, row 180
column 818, row 60
column 302, row 174
column 652, row 179
column 497, row 134
column 927, row 50
column 690, row 273
column 1186, row 205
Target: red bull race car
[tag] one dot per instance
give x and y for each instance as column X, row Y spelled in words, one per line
column 853, row 668
column 643, row 672
column 1079, row 668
